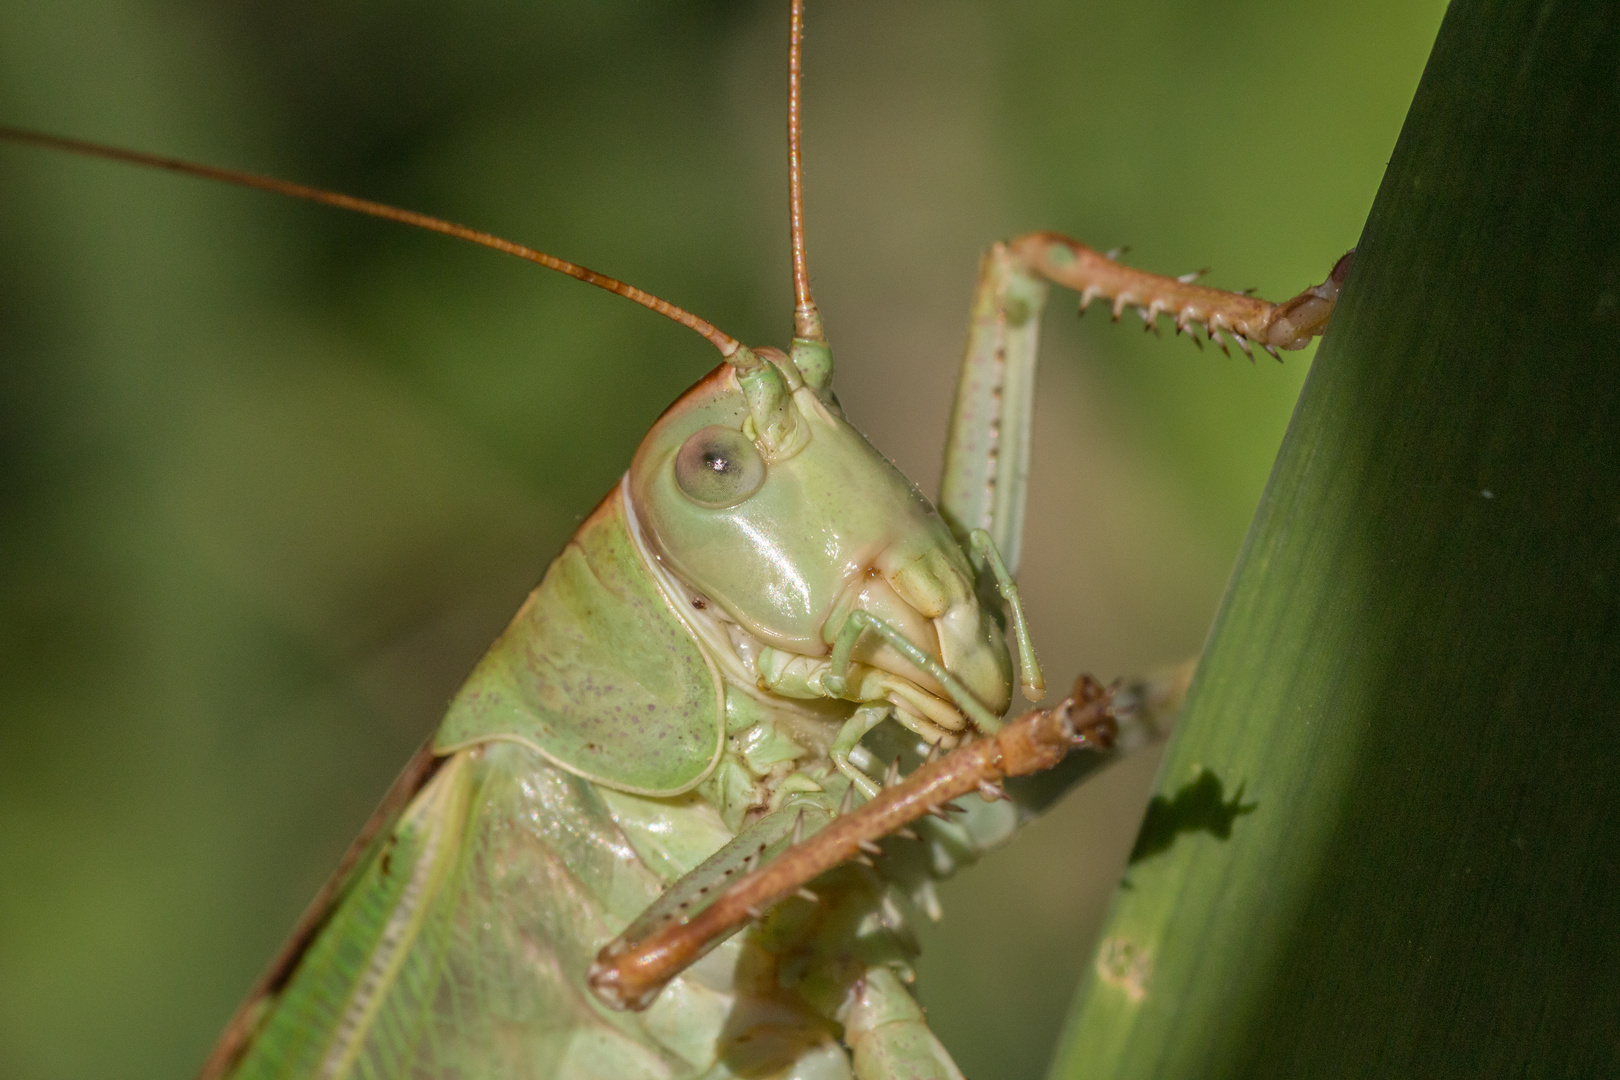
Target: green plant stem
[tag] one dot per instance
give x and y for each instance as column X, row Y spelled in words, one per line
column 1415, row 676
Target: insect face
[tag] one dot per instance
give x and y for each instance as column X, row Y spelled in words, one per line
column 790, row 537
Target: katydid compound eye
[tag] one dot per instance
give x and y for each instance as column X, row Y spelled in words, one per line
column 718, row 467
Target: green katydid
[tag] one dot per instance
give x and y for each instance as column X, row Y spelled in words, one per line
column 781, row 396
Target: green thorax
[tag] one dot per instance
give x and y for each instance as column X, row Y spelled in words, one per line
column 598, row 673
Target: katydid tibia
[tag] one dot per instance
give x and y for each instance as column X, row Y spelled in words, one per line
column 762, row 626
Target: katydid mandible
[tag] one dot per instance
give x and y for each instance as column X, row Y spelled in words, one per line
column 759, row 627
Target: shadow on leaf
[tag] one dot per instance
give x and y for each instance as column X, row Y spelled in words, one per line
column 1200, row 805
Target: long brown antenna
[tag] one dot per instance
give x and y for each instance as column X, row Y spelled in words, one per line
column 806, row 318
column 727, row 344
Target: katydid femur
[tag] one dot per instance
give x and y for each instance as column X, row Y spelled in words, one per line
column 712, row 697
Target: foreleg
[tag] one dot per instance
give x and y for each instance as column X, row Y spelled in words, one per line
column 986, row 474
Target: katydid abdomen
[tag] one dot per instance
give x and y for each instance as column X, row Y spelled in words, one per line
column 460, row 948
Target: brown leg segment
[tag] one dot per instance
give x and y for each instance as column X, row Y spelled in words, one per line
column 1289, row 325
column 629, row 974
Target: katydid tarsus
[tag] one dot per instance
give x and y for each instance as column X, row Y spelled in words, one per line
column 634, row 791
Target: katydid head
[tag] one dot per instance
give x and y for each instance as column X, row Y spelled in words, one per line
column 755, row 492
column 790, row 531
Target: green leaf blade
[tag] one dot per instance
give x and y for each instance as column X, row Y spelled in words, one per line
column 1416, row 673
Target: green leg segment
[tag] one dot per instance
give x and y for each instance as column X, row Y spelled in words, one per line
column 983, row 547
column 986, row 475
column 861, row 621
column 889, row 1037
column 850, row 735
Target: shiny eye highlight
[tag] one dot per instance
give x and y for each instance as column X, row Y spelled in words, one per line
column 718, row 467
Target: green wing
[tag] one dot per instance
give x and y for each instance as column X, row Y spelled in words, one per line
column 598, row 673
column 459, row 948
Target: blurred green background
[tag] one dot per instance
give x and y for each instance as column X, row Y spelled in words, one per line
column 271, row 477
